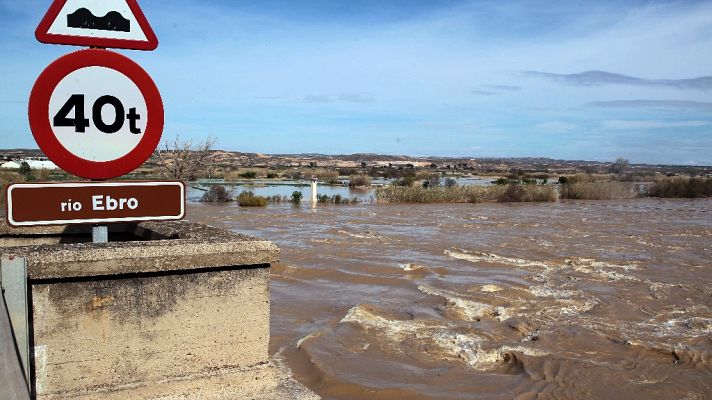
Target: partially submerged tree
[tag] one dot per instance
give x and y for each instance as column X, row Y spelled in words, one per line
column 182, row 159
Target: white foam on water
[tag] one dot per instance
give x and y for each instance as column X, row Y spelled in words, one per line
column 476, row 257
column 397, row 329
column 602, row 264
column 586, row 266
column 545, row 291
column 578, row 307
column 471, row 309
column 602, row 269
column 490, row 288
column 410, row 267
column 467, row 347
column 307, row 337
column 367, row 235
column 643, row 242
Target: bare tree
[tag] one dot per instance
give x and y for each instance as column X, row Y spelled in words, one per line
column 619, row 166
column 182, row 159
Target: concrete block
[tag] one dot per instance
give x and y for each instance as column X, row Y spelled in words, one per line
column 171, row 310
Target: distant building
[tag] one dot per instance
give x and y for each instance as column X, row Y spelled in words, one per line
column 10, row 165
column 34, row 164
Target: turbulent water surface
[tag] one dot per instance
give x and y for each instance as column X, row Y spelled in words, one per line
column 578, row 300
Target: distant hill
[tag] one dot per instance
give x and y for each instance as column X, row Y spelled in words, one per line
column 483, row 164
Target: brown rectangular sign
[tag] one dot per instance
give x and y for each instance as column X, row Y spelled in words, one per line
column 30, row 204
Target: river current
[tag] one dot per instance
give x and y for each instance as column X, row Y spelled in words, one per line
column 569, row 300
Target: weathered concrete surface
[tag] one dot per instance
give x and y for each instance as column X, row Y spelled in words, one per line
column 162, row 247
column 182, row 316
column 262, row 382
column 12, row 382
column 145, row 330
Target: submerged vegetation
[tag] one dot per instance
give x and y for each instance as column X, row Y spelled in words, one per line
column 335, row 199
column 216, row 194
column 682, row 188
column 359, row 181
column 466, row 194
column 249, row 199
column 596, row 190
column 297, row 197
column 527, row 193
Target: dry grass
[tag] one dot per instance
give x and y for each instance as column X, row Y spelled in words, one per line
column 359, row 181
column 682, row 188
column 528, row 194
column 325, row 175
column 597, row 190
column 465, row 194
column 248, row 199
column 7, row 178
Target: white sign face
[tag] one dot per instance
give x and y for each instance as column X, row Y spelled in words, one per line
column 107, row 19
column 98, row 114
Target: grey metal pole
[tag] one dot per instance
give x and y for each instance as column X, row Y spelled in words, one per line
column 100, row 234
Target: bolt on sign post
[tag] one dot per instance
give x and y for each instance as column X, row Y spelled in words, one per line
column 98, row 115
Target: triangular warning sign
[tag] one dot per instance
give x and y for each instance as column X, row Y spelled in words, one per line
column 98, row 23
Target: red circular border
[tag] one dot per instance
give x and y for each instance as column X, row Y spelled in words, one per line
column 46, row 138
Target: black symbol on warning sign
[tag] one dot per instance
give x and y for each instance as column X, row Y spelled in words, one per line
column 112, row 21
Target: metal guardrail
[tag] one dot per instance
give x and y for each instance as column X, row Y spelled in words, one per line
column 14, row 345
column 12, row 379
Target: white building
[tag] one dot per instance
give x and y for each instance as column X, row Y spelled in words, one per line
column 34, row 164
column 10, row 165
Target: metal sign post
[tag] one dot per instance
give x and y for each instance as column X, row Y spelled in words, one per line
column 100, row 234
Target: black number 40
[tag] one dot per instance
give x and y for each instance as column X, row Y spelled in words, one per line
column 80, row 123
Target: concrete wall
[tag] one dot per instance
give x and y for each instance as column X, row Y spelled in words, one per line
column 180, row 311
column 147, row 329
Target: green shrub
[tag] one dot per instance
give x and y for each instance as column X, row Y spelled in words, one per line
column 24, row 168
column 248, row 199
column 249, row 175
column 297, row 197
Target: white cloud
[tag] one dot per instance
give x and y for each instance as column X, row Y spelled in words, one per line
column 651, row 124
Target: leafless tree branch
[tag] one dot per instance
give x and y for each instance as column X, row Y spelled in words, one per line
column 181, row 159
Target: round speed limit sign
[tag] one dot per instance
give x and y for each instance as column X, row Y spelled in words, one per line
column 96, row 114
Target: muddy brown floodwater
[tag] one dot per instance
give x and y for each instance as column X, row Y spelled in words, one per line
column 574, row 300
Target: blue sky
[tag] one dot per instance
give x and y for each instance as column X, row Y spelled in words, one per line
column 577, row 80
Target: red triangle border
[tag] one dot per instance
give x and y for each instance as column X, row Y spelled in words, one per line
column 42, row 33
